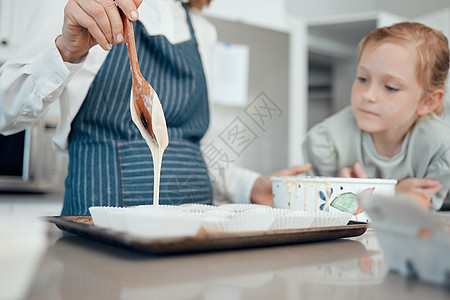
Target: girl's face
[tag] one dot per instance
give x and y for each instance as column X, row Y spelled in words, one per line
column 386, row 94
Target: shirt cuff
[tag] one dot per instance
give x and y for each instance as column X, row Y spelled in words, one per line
column 50, row 72
column 241, row 184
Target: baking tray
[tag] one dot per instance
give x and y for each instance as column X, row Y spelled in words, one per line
column 83, row 226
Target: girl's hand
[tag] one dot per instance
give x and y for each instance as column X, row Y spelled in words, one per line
column 262, row 189
column 356, row 172
column 420, row 189
column 91, row 22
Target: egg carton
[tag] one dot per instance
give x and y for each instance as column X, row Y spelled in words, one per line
column 415, row 242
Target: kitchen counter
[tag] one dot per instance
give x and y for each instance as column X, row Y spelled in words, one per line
column 38, row 261
column 30, row 205
column 71, row 267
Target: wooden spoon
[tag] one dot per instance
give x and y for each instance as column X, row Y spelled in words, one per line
column 146, row 109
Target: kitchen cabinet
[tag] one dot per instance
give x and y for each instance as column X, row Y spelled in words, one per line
column 275, row 115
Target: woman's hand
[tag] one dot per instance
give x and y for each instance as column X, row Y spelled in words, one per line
column 419, row 189
column 262, row 189
column 356, row 172
column 91, row 22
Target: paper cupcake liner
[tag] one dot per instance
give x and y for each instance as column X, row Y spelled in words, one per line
column 198, row 208
column 325, row 219
column 150, row 207
column 163, row 221
column 98, row 214
column 219, row 213
column 159, row 222
column 291, row 219
column 236, row 207
column 107, row 216
column 213, row 224
column 115, row 216
column 250, row 220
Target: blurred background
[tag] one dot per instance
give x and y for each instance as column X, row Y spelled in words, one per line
column 279, row 67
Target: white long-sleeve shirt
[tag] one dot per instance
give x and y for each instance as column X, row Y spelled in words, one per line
column 36, row 76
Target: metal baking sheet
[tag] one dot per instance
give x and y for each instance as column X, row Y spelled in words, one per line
column 83, row 226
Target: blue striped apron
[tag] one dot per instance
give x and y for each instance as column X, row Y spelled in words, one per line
column 109, row 161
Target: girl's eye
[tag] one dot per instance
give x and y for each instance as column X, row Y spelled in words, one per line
column 391, row 89
column 362, row 79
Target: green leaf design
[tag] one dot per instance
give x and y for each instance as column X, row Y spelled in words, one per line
column 346, row 202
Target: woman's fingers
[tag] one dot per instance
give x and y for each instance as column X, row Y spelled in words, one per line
column 88, row 15
column 105, row 14
column 115, row 19
column 129, row 7
column 91, row 22
column 107, row 17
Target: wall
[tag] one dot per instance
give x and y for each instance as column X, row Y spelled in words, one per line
column 266, row 13
column 407, row 8
column 272, row 13
column 268, row 79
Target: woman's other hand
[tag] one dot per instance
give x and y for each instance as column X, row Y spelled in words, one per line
column 262, row 189
column 91, row 22
column 419, row 189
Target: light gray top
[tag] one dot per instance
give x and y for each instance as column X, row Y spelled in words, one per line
column 338, row 142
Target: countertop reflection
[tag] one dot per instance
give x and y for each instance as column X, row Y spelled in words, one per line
column 76, row 268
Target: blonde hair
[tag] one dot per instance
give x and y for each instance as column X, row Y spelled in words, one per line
column 432, row 52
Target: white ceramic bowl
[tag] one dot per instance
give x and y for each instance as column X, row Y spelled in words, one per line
column 316, row 194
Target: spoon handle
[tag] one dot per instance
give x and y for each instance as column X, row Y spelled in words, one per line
column 131, row 46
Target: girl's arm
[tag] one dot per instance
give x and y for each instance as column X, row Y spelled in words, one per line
column 439, row 170
column 318, row 149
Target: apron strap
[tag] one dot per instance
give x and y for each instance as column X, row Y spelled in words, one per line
column 191, row 28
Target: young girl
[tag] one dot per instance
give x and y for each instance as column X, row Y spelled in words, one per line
column 392, row 129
